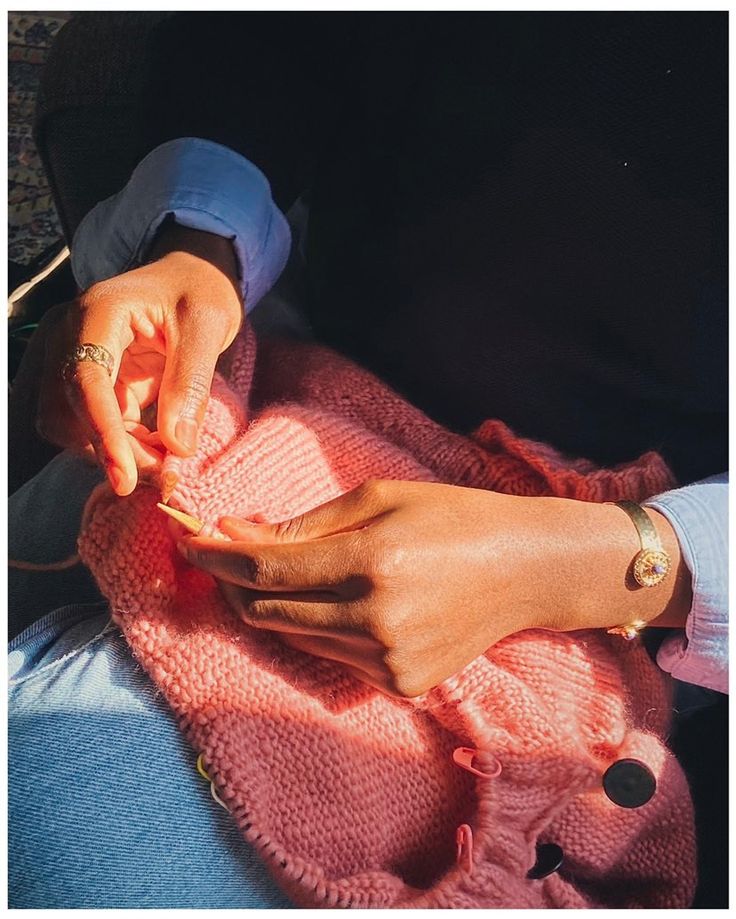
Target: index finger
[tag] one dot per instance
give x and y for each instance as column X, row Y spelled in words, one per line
column 90, row 390
column 323, row 565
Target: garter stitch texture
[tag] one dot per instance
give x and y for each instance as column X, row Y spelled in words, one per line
column 351, row 797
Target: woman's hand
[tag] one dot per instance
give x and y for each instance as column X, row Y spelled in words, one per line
column 405, row 583
column 165, row 325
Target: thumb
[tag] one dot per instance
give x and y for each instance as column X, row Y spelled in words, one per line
column 350, row 511
column 192, row 350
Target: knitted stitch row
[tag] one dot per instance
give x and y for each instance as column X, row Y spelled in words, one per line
column 351, row 797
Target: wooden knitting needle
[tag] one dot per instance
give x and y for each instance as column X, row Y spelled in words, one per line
column 186, row 520
column 192, row 524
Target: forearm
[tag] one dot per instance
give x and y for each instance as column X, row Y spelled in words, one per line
column 572, row 569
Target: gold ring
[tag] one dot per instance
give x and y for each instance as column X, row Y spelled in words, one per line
column 88, row 352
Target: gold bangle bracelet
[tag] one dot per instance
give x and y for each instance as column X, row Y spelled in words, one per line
column 651, row 563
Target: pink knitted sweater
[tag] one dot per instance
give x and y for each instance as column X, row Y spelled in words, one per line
column 354, row 798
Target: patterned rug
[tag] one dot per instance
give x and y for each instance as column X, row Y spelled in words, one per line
column 33, row 223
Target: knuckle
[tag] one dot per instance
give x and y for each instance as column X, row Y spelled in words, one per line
column 256, row 570
column 379, row 623
column 196, row 390
column 391, row 562
column 83, row 373
column 194, row 312
column 371, row 490
column 97, row 290
column 81, row 378
column 215, row 315
column 92, row 296
column 99, row 295
column 381, row 632
column 405, row 683
column 198, row 384
column 289, row 530
column 388, row 558
column 260, row 613
column 234, row 596
column 119, row 285
column 410, row 689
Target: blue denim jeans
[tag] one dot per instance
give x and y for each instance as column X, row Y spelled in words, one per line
column 105, row 806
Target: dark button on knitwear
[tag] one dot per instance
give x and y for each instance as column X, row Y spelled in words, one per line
column 629, row 783
column 549, row 859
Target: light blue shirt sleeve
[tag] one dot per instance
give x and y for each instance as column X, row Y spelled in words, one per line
column 699, row 515
column 204, row 186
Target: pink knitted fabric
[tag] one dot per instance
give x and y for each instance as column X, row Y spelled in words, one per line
column 351, row 797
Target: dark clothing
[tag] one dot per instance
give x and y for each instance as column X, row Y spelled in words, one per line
column 519, row 216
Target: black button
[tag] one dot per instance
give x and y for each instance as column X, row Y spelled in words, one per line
column 549, row 860
column 629, row 783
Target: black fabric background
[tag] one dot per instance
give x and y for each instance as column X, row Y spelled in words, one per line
column 512, row 215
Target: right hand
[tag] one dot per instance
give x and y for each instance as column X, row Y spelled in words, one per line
column 165, row 325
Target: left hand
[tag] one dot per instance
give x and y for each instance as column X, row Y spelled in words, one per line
column 164, row 324
column 405, row 583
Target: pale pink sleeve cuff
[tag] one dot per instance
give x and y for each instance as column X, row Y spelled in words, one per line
column 699, row 516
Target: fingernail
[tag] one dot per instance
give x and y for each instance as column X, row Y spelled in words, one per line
column 213, row 533
column 186, row 433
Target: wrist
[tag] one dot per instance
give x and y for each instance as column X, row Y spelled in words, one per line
column 216, row 251
column 597, row 581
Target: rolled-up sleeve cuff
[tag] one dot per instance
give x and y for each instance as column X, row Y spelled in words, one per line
column 699, row 515
column 203, row 186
